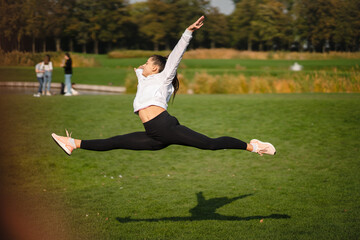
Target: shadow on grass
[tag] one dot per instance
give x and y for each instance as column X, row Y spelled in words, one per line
column 206, row 210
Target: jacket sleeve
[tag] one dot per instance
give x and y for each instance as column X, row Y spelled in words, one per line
column 175, row 56
column 139, row 73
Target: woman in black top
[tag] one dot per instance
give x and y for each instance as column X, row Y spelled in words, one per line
column 67, row 65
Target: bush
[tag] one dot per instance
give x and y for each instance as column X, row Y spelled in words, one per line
column 135, row 53
column 205, row 83
column 131, row 83
column 226, row 53
column 16, row 58
column 183, row 85
column 320, row 81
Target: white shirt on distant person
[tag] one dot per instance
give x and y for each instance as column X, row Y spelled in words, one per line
column 48, row 67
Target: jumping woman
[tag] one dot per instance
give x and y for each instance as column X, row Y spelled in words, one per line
column 157, row 81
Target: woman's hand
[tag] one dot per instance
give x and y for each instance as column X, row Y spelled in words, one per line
column 196, row 25
column 140, row 67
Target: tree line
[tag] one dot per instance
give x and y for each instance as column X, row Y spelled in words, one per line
column 101, row 26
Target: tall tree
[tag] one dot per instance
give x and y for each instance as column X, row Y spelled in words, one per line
column 242, row 22
column 34, row 21
column 70, row 30
column 315, row 20
column 14, row 22
column 58, row 15
column 153, row 22
column 217, row 28
column 113, row 20
column 186, row 11
column 83, row 13
column 347, row 26
column 137, row 12
column 3, row 22
column 271, row 23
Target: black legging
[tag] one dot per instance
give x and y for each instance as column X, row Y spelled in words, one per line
column 160, row 132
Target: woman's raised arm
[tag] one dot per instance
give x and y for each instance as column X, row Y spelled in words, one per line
column 196, row 25
column 177, row 53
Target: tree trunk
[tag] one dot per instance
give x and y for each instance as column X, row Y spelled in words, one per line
column 33, row 44
column 84, row 48
column 212, row 44
column 96, row 46
column 71, row 45
column 156, row 46
column 109, row 47
column 18, row 45
column 44, row 45
column 249, row 44
column 58, row 44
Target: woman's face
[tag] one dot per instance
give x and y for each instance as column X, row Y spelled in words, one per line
column 66, row 57
column 149, row 68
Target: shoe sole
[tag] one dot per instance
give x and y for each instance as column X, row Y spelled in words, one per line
column 63, row 146
column 269, row 144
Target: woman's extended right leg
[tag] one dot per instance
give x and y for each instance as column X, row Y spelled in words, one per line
column 131, row 141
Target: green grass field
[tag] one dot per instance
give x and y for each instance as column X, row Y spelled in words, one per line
column 309, row 190
column 114, row 71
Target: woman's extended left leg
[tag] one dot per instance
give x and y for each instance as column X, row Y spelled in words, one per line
column 168, row 129
column 185, row 136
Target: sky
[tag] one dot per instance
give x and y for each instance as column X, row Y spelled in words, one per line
column 225, row 6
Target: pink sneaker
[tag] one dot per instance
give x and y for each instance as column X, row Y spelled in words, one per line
column 263, row 147
column 66, row 143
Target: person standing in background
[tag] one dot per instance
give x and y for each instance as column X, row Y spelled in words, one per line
column 67, row 65
column 39, row 69
column 48, row 68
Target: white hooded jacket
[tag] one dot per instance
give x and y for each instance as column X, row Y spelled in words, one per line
column 157, row 89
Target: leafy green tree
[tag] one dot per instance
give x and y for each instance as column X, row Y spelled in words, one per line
column 137, row 11
column 347, row 26
column 13, row 21
column 45, row 13
column 153, row 22
column 107, row 23
column 58, row 15
column 98, row 21
column 315, row 20
column 271, row 24
column 217, row 28
column 79, row 24
column 71, row 23
column 242, row 20
column 34, row 21
column 181, row 14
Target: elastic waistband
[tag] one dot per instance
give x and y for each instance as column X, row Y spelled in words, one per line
column 162, row 115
